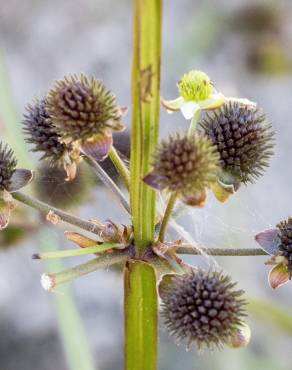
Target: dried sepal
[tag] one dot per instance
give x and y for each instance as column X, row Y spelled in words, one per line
column 278, row 276
column 20, row 178
column 7, row 205
column 81, row 240
column 196, row 200
column 269, row 241
column 99, row 146
column 114, row 233
column 241, row 338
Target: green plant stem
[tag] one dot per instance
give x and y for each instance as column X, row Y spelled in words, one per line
column 100, row 248
column 141, row 311
column 64, row 216
column 104, row 177
column 65, row 276
column 145, row 115
column 166, row 217
column 140, row 279
column 194, row 121
column 235, row 252
column 120, row 166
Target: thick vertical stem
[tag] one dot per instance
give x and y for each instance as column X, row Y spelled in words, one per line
column 145, row 120
column 140, row 316
column 140, row 280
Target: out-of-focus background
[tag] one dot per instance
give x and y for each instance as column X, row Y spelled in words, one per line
column 245, row 46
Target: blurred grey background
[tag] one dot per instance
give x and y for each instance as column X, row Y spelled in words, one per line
column 245, row 47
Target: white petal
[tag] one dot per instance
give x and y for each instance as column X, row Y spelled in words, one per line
column 189, row 109
column 214, row 101
column 172, row 105
column 242, row 101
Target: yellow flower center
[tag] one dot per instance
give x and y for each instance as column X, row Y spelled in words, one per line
column 196, row 86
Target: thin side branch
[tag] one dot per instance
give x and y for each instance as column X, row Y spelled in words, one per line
column 166, row 216
column 64, row 216
column 52, row 280
column 120, row 166
column 239, row 252
column 104, row 177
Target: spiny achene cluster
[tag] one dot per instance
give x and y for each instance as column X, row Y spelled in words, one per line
column 81, row 107
column 8, row 164
column 285, row 235
column 202, row 308
column 186, row 164
column 243, row 137
column 41, row 132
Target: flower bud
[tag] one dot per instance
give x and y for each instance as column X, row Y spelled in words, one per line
column 202, row 307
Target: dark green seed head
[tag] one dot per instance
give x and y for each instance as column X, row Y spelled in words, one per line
column 243, row 137
column 186, row 164
column 82, row 107
column 8, row 164
column 202, row 308
column 285, row 235
column 41, row 132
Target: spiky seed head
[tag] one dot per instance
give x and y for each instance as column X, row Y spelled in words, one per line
column 82, row 107
column 8, row 164
column 202, row 308
column 41, row 132
column 243, row 137
column 185, row 164
column 285, row 236
column 195, row 85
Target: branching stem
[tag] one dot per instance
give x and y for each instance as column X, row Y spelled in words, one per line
column 104, row 177
column 166, row 217
column 64, row 216
column 120, row 166
column 239, row 252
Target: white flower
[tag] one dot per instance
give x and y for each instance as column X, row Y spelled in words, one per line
column 197, row 93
